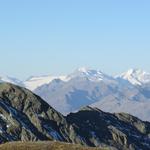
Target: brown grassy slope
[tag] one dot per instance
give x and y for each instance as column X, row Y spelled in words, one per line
column 43, row 146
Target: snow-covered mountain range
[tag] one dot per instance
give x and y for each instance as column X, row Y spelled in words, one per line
column 128, row 92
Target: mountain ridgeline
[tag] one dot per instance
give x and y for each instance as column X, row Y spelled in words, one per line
column 24, row 116
column 127, row 92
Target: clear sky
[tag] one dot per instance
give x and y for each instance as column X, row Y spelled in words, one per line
column 57, row 36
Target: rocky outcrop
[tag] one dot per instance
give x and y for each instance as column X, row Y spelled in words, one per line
column 24, row 116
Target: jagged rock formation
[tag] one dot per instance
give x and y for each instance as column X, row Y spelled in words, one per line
column 97, row 128
column 24, row 116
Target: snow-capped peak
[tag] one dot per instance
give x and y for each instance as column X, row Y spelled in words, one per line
column 90, row 74
column 136, row 76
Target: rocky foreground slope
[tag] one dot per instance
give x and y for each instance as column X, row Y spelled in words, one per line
column 26, row 117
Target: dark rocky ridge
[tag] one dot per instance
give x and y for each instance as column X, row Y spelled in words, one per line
column 27, row 114
column 26, row 117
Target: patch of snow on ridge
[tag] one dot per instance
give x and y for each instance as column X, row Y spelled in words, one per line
column 35, row 82
column 10, row 80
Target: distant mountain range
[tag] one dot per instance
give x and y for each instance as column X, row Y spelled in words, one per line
column 24, row 116
column 128, row 92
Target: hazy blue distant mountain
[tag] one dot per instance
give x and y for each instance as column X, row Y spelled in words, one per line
column 91, row 87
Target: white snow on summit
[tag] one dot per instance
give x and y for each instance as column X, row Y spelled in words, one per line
column 90, row 74
column 136, row 76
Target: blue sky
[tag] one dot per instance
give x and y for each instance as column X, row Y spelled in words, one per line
column 55, row 37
